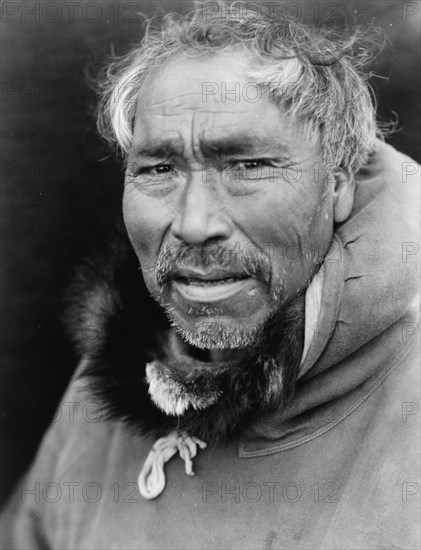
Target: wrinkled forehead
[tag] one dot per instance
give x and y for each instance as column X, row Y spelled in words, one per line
column 208, row 94
column 186, row 82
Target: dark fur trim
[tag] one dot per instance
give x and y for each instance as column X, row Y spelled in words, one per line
column 115, row 324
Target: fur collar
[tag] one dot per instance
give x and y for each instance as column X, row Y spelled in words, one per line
column 369, row 292
column 119, row 328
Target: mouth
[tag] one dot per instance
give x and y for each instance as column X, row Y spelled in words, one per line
column 200, row 289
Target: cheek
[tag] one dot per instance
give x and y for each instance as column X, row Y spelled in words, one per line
column 294, row 230
column 287, row 215
column 144, row 223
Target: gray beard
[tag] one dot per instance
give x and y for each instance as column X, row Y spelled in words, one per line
column 216, row 398
column 211, row 335
column 215, row 335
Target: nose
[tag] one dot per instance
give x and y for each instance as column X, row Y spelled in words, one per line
column 200, row 216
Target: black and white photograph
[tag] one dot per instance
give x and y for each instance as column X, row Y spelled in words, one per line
column 210, row 275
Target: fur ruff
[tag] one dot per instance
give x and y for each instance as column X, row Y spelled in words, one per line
column 119, row 328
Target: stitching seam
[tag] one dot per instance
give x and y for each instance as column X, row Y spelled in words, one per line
column 278, row 448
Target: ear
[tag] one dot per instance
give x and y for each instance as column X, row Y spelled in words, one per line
column 343, row 195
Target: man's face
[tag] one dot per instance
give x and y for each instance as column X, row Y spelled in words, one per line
column 225, row 200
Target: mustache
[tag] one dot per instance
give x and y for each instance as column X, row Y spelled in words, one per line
column 211, row 257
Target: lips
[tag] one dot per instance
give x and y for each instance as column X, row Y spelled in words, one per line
column 209, row 281
column 193, row 276
column 210, row 287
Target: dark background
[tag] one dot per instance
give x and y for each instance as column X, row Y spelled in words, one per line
column 61, row 190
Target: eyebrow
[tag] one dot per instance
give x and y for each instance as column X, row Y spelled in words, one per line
column 240, row 146
column 160, row 149
column 230, row 146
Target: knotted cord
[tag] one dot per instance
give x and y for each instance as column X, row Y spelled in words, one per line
column 152, row 476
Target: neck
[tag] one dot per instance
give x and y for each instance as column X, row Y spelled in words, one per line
column 221, row 355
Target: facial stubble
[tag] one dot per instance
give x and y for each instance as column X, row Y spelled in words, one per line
column 214, row 400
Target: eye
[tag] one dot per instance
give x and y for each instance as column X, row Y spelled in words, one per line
column 154, row 180
column 253, row 164
column 153, row 174
column 248, row 164
column 248, row 176
column 250, row 168
column 264, row 167
column 157, row 170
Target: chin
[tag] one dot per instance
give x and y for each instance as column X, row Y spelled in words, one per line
column 217, row 332
column 216, row 399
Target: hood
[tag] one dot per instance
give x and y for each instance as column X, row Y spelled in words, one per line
column 368, row 302
column 369, row 306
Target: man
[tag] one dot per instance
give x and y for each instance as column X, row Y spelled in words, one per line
column 274, row 230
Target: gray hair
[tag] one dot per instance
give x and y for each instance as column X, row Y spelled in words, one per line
column 318, row 75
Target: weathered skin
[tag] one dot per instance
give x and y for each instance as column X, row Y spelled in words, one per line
column 281, row 208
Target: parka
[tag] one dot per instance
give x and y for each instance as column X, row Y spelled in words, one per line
column 339, row 468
